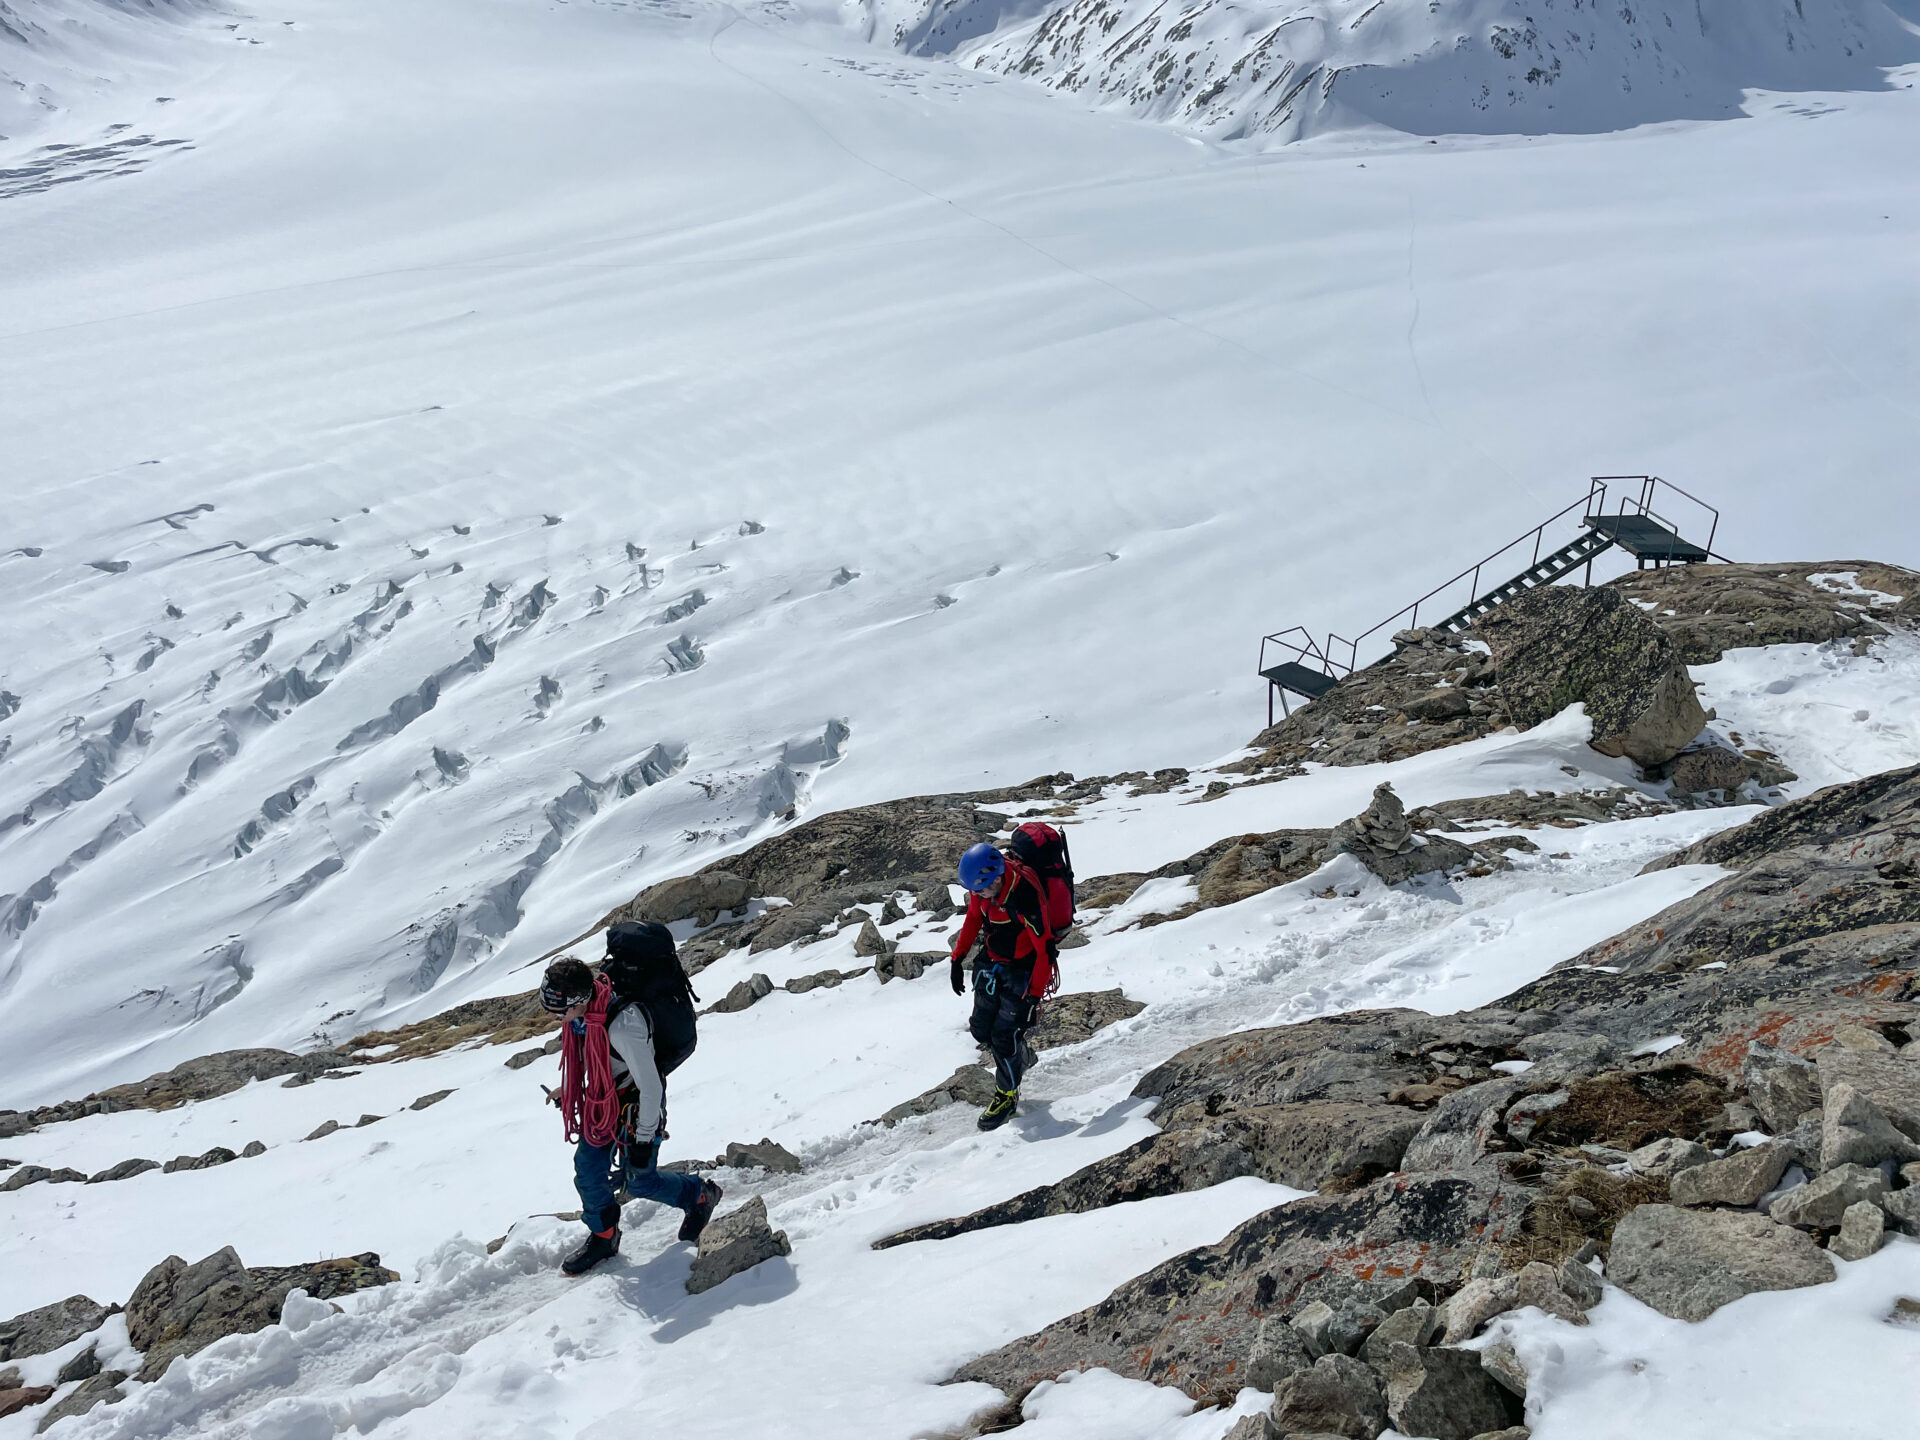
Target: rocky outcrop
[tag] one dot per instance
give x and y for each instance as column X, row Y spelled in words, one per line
column 1432, row 691
column 734, row 1242
column 35, row 1332
column 178, row 1309
column 894, row 845
column 498, row 1020
column 1170, row 1163
column 969, row 1085
column 1564, row 645
column 1688, row 1263
column 1710, row 609
column 703, row 896
column 202, row 1078
column 1836, row 869
column 15, row 1398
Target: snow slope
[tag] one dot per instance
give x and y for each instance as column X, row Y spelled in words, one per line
column 520, row 451
column 1233, row 69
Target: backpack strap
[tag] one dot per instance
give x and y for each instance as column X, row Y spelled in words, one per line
column 1020, row 871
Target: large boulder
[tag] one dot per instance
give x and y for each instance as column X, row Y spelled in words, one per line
column 687, row 896
column 734, row 1242
column 1688, row 1263
column 1338, row 1395
column 1564, row 645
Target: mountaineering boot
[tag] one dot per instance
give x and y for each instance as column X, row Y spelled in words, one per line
column 598, row 1247
column 700, row 1212
column 999, row 1110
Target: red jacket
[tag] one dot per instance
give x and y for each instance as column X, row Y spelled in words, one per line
column 1015, row 919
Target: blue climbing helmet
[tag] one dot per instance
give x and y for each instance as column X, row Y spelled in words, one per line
column 981, row 868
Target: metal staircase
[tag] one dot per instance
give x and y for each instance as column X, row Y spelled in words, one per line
column 1309, row 667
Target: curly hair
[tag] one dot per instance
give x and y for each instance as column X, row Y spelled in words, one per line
column 569, row 977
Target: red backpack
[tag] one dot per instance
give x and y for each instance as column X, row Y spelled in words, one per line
column 1043, row 850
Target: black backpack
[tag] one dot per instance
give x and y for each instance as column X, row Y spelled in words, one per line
column 644, row 970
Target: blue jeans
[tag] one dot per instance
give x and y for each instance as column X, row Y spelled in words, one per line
column 593, row 1167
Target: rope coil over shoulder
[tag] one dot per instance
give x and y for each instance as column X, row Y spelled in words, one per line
column 589, row 1102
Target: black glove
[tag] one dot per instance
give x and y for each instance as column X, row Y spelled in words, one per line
column 639, row 1154
column 959, row 978
column 1029, row 1011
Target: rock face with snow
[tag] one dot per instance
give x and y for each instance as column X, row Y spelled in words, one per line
column 1232, row 69
column 1710, row 609
column 50, row 1326
column 1191, row 1322
column 178, row 1309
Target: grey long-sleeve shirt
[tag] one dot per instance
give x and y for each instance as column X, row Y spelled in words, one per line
column 631, row 1037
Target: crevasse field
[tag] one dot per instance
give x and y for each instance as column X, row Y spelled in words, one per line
column 465, row 462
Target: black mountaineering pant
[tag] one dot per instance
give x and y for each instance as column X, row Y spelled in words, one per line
column 1002, row 1013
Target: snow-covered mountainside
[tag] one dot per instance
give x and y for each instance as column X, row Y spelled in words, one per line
column 1231, row 69
column 479, row 459
column 58, row 57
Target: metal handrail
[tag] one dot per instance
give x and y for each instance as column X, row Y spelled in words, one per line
column 1594, row 504
column 1644, row 505
column 1412, row 612
column 1304, row 649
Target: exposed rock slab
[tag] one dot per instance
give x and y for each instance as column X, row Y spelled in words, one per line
column 1071, row 1018
column 1191, row 1321
column 1740, row 1179
column 1688, row 1263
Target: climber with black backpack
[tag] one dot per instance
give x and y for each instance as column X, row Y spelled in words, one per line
column 1023, row 902
column 623, row 1030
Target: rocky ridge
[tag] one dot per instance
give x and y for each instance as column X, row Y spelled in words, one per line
column 1511, row 1143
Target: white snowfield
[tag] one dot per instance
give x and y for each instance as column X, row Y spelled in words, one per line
column 467, row 461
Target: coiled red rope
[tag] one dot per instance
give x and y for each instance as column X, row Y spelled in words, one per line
column 589, row 1103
